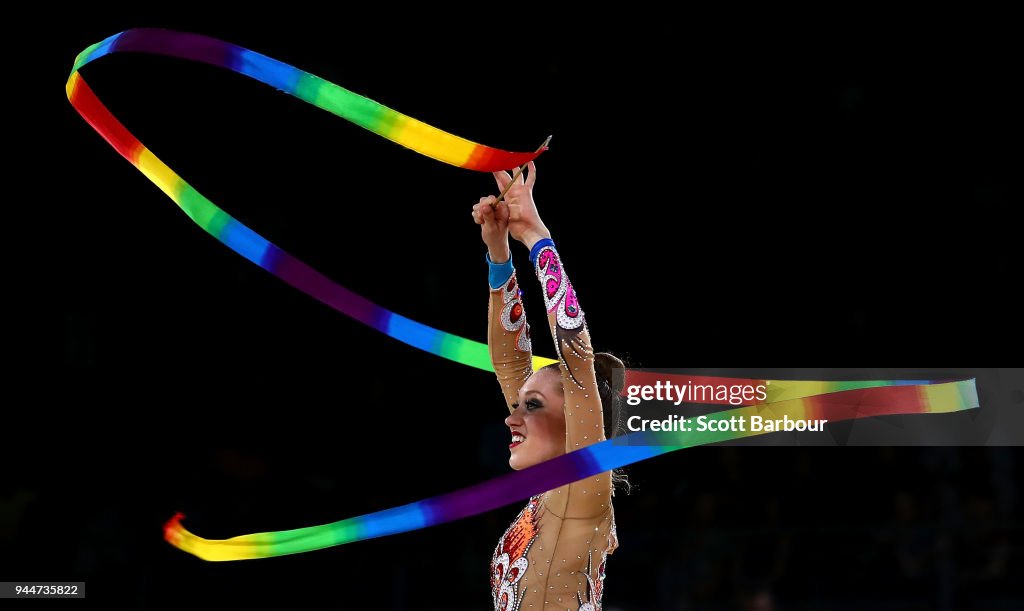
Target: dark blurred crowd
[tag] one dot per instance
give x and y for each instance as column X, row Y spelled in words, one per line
column 758, row 529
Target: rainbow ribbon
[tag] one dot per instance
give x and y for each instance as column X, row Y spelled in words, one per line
column 364, row 112
column 598, row 458
column 795, row 399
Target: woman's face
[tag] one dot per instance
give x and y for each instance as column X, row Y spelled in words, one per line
column 538, row 422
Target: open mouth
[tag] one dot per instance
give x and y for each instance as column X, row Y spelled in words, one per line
column 517, row 438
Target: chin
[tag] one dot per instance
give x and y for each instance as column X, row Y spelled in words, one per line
column 518, row 463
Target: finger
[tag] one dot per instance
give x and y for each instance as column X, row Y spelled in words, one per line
column 514, row 211
column 502, row 178
column 519, row 175
column 476, row 218
column 532, row 178
column 501, row 212
column 486, row 214
column 485, row 201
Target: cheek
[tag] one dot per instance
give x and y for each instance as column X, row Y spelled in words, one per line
column 550, row 426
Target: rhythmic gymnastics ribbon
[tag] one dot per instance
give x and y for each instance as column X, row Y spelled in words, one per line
column 586, row 462
column 362, row 111
column 796, row 399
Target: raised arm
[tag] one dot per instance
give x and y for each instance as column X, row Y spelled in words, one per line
column 508, row 334
column 584, row 421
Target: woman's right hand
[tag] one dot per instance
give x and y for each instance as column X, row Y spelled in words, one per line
column 493, row 221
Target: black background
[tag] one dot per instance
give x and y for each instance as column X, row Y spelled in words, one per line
column 726, row 190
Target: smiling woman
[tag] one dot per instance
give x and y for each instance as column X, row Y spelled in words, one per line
column 555, row 550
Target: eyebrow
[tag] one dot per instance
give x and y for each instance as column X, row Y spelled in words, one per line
column 536, row 392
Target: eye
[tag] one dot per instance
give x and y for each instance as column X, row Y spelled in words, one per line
column 532, row 404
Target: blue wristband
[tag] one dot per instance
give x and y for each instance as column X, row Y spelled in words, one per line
column 535, row 251
column 498, row 273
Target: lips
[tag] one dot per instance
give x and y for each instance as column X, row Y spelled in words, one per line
column 517, row 438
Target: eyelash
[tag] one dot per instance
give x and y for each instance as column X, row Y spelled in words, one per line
column 531, row 404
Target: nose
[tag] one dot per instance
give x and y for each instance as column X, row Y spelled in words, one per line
column 514, row 419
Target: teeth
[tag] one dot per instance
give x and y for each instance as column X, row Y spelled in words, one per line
column 518, row 438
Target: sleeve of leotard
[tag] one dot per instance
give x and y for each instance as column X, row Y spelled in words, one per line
column 584, row 420
column 508, row 334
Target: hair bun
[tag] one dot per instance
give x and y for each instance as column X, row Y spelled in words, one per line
column 605, row 365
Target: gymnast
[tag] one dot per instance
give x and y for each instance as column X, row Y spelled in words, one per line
column 553, row 555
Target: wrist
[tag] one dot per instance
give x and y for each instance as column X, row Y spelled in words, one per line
column 499, row 254
column 531, row 237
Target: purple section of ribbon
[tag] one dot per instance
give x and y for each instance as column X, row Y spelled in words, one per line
column 181, row 45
